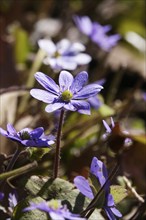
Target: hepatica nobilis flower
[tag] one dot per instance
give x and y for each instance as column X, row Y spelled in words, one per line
column 70, row 93
column 96, row 32
column 99, row 171
column 28, row 137
column 64, row 55
column 55, row 210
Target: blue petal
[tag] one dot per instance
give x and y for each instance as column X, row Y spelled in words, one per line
column 107, row 127
column 110, row 200
column 99, row 170
column 43, row 95
column 82, row 107
column 11, row 129
column 48, row 83
column 65, row 80
column 53, row 107
column 83, row 185
column 79, row 82
column 3, row 132
column 116, row 212
column 70, row 107
column 88, row 91
column 109, row 213
column 36, row 133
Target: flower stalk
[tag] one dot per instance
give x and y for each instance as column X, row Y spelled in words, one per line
column 58, row 141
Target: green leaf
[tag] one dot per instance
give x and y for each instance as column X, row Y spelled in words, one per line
column 119, row 193
column 21, row 44
column 63, row 190
column 106, row 111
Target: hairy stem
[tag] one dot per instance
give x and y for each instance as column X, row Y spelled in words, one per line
column 58, row 141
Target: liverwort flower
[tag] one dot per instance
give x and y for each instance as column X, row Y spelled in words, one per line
column 70, row 93
column 28, row 137
column 13, row 200
column 96, row 32
column 55, row 210
column 64, row 55
column 99, row 171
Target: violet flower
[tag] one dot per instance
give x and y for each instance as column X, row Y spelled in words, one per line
column 55, row 210
column 99, row 170
column 64, row 55
column 1, row 196
column 13, row 200
column 70, row 93
column 96, row 32
column 28, row 137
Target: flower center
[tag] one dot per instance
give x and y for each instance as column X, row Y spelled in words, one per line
column 57, row 54
column 54, row 204
column 66, row 96
column 24, row 135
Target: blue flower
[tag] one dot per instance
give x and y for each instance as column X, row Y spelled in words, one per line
column 99, row 170
column 70, row 93
column 55, row 210
column 64, row 55
column 96, row 32
column 28, row 137
column 1, row 196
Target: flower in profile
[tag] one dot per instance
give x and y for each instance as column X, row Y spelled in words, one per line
column 28, row 137
column 64, row 55
column 55, row 210
column 99, row 171
column 13, row 200
column 96, row 32
column 70, row 93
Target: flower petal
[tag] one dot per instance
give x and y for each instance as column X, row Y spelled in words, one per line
column 84, row 24
column 79, row 82
column 47, row 45
column 107, row 127
column 53, row 107
column 43, row 95
column 88, row 91
column 82, row 107
column 11, row 129
column 3, row 132
column 116, row 212
column 36, row 133
column 82, row 59
column 66, row 62
column 65, row 80
column 70, row 107
column 48, row 83
column 63, row 45
column 83, row 185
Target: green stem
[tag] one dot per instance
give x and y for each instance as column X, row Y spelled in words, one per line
column 58, row 141
column 18, row 171
column 30, row 82
column 89, row 210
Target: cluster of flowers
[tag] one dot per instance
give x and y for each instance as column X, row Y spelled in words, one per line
column 71, row 94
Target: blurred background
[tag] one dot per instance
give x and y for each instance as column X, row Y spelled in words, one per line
column 22, row 24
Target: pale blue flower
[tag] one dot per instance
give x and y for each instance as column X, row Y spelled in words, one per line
column 71, row 94
column 64, row 55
